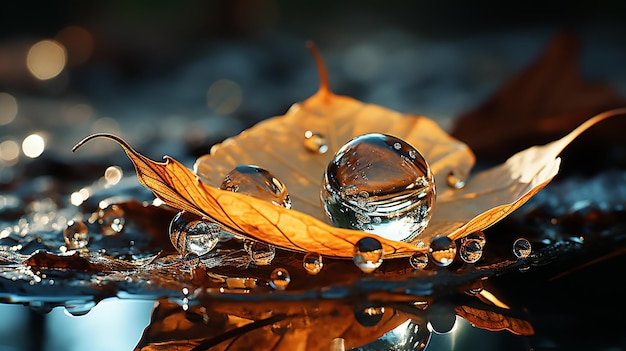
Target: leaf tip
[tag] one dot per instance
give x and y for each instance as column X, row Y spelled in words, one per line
column 98, row 135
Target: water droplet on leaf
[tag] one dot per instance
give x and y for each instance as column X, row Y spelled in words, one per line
column 279, row 279
column 471, row 250
column 261, row 254
column 379, row 184
column 418, row 260
column 76, row 235
column 368, row 254
column 191, row 235
column 257, row 182
column 315, row 142
column 312, row 263
column 455, row 180
column 442, row 250
column 522, row 248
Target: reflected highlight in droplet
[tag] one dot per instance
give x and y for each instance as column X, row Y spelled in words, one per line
column 33, row 145
column 8, row 108
column 46, row 59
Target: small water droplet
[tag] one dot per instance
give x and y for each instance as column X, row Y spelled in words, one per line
column 478, row 235
column 111, row 219
column 79, row 307
column 191, row 235
column 379, row 184
column 455, row 180
column 315, row 142
column 369, row 316
column 442, row 250
column 76, row 235
column 279, row 279
column 312, row 263
column 418, row 260
column 261, row 254
column 257, row 182
column 368, row 254
column 522, row 248
column 471, row 250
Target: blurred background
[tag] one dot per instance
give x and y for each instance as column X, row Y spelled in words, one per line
column 173, row 78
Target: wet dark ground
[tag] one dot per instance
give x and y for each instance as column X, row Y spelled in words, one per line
column 154, row 95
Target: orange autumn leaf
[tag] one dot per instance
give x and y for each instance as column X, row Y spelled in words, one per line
column 277, row 144
column 180, row 188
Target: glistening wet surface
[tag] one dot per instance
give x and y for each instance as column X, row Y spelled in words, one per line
column 88, row 259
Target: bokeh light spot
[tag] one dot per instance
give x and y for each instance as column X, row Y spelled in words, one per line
column 9, row 152
column 113, row 175
column 78, row 42
column 224, row 96
column 46, row 59
column 8, row 108
column 33, row 145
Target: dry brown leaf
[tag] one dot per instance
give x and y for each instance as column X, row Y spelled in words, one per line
column 494, row 321
column 540, row 103
column 277, row 145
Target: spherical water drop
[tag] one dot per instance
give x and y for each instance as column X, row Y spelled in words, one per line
column 522, row 248
column 480, row 236
column 442, row 250
column 279, row 279
column 379, row 184
column 191, row 235
column 368, row 254
column 261, row 254
column 455, row 180
column 312, row 263
column 76, row 235
column 257, row 182
column 418, row 260
column 471, row 250
column 111, row 219
column 315, row 142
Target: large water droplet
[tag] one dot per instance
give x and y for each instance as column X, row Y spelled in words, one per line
column 368, row 254
column 315, row 142
column 261, row 254
column 76, row 235
column 418, row 260
column 257, row 182
column 312, row 263
column 279, row 279
column 111, row 219
column 471, row 250
column 522, row 248
column 380, row 184
column 191, row 235
column 442, row 250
